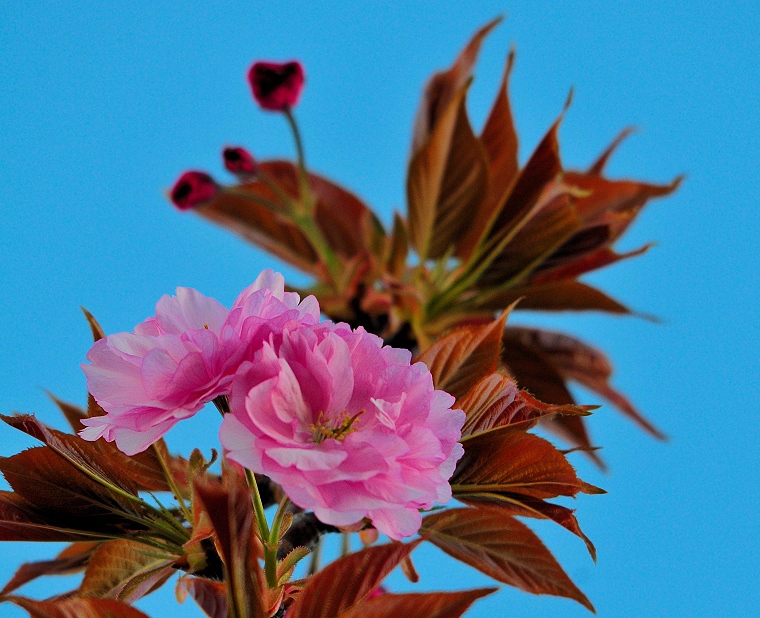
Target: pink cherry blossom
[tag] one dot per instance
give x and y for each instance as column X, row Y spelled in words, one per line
column 182, row 358
column 348, row 427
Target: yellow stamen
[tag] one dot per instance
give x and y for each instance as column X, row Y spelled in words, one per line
column 337, row 428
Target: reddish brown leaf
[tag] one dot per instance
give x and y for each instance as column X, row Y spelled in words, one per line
column 20, row 521
column 495, row 401
column 510, row 461
column 55, row 488
column 399, row 247
column 72, row 559
column 210, row 596
column 240, row 210
column 537, row 375
column 499, row 139
column 522, row 506
column 521, row 196
column 460, row 358
column 97, row 330
column 597, row 167
column 517, row 470
column 228, row 506
column 143, row 469
column 597, row 259
column 572, row 360
column 258, row 214
column 443, row 87
column 411, row 605
column 497, row 544
column 447, row 181
column 84, row 456
column 547, row 229
column 125, row 570
column 348, row 224
column 409, row 571
column 74, row 414
column 348, row 581
column 77, row 608
column 93, row 407
column 567, row 295
column 613, row 203
column 605, row 208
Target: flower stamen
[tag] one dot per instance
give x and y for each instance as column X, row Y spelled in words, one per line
column 337, row 428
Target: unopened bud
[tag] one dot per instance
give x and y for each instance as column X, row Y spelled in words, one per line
column 193, row 188
column 276, row 87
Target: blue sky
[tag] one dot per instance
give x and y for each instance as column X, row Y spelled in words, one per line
column 102, row 108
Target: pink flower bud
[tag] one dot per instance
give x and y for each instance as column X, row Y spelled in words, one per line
column 240, row 162
column 193, row 188
column 276, row 87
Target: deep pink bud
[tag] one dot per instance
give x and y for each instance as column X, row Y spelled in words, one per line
column 193, row 188
column 276, row 87
column 240, row 162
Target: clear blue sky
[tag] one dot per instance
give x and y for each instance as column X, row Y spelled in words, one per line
column 103, row 106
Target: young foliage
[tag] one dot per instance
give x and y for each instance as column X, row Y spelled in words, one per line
column 346, row 582
column 76, row 607
column 495, row 543
column 428, row 605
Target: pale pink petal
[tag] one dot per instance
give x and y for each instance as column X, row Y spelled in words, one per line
column 397, row 523
column 348, row 429
column 185, row 356
column 189, row 310
column 270, row 280
column 306, row 459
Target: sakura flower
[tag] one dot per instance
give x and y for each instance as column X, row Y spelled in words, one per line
column 347, row 427
column 193, row 188
column 183, row 357
column 276, row 87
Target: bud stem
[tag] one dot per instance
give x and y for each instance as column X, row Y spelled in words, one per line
column 303, row 180
column 269, row 538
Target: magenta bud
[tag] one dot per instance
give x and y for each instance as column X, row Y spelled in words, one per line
column 193, row 188
column 276, row 87
column 240, row 162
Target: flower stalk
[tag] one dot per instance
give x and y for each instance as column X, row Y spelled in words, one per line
column 172, row 483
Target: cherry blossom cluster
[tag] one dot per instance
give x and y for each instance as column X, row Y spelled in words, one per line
column 349, row 428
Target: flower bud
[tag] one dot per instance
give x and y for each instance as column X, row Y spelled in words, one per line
column 276, row 87
column 240, row 162
column 193, row 188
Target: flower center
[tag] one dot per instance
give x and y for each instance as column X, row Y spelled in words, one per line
column 335, row 428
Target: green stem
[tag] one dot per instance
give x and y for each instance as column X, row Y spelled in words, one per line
column 270, row 547
column 308, row 226
column 304, row 221
column 303, row 179
column 172, row 484
column 274, row 534
column 258, row 506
